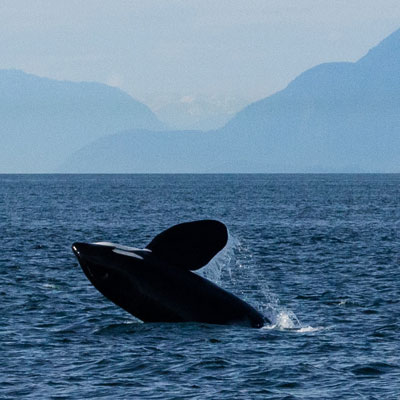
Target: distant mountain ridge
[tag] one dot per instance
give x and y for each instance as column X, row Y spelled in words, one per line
column 335, row 117
column 333, row 114
column 43, row 120
column 143, row 151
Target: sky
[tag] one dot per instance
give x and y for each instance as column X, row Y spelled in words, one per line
column 157, row 49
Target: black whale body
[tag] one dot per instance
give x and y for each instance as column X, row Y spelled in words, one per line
column 156, row 284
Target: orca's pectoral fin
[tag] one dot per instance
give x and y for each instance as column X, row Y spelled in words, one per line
column 190, row 245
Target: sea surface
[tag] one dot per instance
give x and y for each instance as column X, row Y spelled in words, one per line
column 318, row 254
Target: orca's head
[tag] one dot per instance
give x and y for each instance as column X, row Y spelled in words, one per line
column 107, row 265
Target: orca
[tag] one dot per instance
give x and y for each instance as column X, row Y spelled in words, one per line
column 157, row 283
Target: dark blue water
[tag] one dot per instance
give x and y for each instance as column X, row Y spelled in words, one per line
column 319, row 254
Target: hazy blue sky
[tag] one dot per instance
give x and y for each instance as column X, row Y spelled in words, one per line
column 247, row 48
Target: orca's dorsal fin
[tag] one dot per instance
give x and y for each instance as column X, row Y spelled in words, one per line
column 190, row 245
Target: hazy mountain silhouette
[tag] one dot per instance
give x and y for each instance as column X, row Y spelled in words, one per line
column 335, row 117
column 145, row 151
column 44, row 120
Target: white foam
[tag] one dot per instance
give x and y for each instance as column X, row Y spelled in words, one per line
column 306, row 329
column 120, row 246
column 303, row 329
column 128, row 253
column 286, row 320
column 49, row 286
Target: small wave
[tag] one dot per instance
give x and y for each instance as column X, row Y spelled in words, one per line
column 49, row 286
column 119, row 328
column 372, row 369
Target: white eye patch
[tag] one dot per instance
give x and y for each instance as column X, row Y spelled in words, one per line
column 128, row 253
column 120, row 246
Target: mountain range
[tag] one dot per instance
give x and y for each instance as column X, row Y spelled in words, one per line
column 44, row 120
column 335, row 117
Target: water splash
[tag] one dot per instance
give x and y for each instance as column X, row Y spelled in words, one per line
column 287, row 319
column 218, row 270
column 233, row 268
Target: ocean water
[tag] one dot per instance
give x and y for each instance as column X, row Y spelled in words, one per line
column 318, row 254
